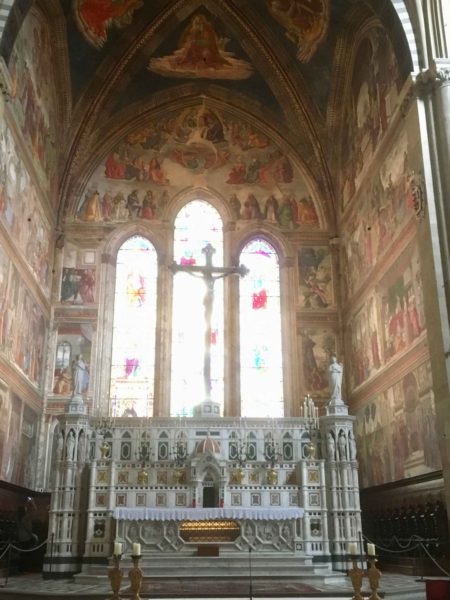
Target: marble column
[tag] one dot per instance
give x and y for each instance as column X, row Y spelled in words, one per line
column 433, row 91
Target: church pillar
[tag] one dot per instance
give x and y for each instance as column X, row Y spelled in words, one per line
column 161, row 405
column 291, row 380
column 433, row 90
column 232, row 400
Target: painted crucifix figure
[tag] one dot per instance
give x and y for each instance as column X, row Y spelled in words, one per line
column 209, row 273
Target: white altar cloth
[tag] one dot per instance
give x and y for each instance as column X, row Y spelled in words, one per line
column 203, row 514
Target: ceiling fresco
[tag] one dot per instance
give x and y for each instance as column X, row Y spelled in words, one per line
column 282, row 63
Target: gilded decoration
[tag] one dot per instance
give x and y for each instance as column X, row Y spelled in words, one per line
column 123, row 477
column 237, row 477
column 102, row 477
column 161, row 477
column 313, row 476
column 253, row 477
column 291, row 478
column 210, row 531
column 142, row 477
column 272, row 477
column 179, row 476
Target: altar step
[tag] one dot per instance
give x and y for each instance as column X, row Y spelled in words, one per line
column 226, row 565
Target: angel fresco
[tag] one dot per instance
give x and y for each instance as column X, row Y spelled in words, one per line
column 305, row 21
column 201, row 53
column 94, row 17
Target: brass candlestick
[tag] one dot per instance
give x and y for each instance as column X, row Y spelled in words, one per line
column 374, row 578
column 356, row 576
column 115, row 577
column 135, row 576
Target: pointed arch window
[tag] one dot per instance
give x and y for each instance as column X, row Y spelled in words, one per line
column 197, row 224
column 134, row 329
column 260, row 332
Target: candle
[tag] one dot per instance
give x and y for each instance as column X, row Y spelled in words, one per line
column 117, row 549
column 371, row 549
column 136, row 549
column 352, row 548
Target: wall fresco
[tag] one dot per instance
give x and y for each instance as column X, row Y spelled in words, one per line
column 31, row 67
column 395, row 431
column 389, row 322
column 78, row 281
column 373, row 98
column 21, row 212
column 23, row 328
column 204, row 147
column 384, row 207
column 74, row 339
column 315, row 277
column 317, row 345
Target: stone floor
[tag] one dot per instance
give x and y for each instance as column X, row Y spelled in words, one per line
column 32, row 586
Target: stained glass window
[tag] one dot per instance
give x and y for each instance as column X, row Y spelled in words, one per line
column 260, row 332
column 197, row 224
column 134, row 328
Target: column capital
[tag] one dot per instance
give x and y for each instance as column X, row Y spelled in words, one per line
column 436, row 76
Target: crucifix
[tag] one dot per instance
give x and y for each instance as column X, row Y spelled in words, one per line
column 209, row 273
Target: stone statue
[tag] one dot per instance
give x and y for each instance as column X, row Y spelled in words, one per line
column 352, row 446
column 331, row 446
column 80, row 377
column 70, row 446
column 81, row 450
column 342, row 446
column 335, row 372
column 59, row 446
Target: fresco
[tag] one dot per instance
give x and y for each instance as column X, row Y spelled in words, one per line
column 395, row 431
column 73, row 339
column 317, row 345
column 95, row 17
column 4, row 278
column 315, row 277
column 23, row 328
column 11, row 464
column 201, row 53
column 28, row 447
column 375, row 87
column 5, row 407
column 305, row 21
column 389, row 322
column 199, row 146
column 78, row 286
column 385, row 206
column 32, row 235
column 10, row 308
column 31, row 67
column 78, row 281
column 30, row 339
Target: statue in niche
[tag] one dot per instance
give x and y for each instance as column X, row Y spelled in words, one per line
column 352, row 446
column 342, row 446
column 70, row 446
column 331, row 446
